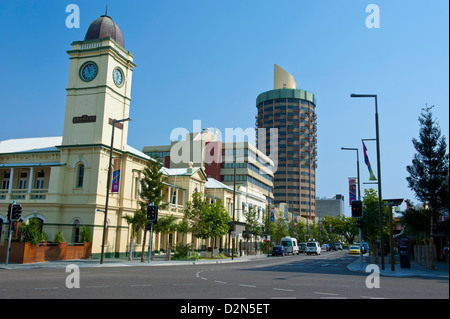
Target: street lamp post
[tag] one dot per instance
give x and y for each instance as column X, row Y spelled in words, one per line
column 108, row 184
column 234, row 202
column 380, row 211
column 359, row 195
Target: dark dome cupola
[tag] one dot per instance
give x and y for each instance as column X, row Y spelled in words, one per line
column 104, row 27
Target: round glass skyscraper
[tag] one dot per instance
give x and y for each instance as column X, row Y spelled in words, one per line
column 292, row 112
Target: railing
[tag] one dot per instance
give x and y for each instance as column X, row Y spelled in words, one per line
column 34, row 194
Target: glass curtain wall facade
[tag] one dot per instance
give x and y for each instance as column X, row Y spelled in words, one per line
column 292, row 112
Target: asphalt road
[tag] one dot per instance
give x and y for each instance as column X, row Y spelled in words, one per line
column 292, row 277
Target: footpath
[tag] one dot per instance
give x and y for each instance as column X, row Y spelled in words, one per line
column 442, row 270
column 123, row 262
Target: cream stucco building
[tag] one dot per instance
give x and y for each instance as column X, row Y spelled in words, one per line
column 62, row 181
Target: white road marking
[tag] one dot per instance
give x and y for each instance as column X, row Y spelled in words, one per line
column 325, row 293
column 281, row 289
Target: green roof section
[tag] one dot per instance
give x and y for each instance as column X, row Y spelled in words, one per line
column 286, row 94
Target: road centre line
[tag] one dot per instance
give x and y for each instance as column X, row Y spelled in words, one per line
column 249, row 286
column 142, row 285
column 281, row 289
column 325, row 293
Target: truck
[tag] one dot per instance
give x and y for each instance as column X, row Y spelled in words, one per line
column 290, row 244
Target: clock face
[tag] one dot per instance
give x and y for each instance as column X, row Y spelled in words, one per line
column 88, row 71
column 118, row 77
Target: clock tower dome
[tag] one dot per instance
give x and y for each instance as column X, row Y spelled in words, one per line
column 99, row 87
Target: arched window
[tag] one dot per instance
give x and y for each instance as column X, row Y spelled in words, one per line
column 76, row 230
column 80, row 175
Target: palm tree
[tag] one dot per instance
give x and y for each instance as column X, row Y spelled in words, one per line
column 166, row 225
column 137, row 221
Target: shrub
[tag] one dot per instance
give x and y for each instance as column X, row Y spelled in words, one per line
column 85, row 235
column 59, row 238
column 31, row 232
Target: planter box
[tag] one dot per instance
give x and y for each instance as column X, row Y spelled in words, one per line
column 24, row 253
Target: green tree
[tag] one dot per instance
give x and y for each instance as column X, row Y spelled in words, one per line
column 166, row 225
column 252, row 225
column 429, row 171
column 183, row 228
column 279, row 228
column 137, row 221
column 152, row 185
column 298, row 232
column 344, row 226
column 194, row 214
column 206, row 220
column 415, row 221
column 371, row 230
column 218, row 220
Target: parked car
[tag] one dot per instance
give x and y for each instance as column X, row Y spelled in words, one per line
column 338, row 246
column 313, row 247
column 278, row 250
column 353, row 250
column 302, row 248
column 333, row 246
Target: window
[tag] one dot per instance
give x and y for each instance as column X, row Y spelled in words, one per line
column 4, row 185
column 80, row 176
column 39, row 184
column 22, row 184
column 76, row 231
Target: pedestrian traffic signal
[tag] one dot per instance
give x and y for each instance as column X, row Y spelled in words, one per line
column 152, row 213
column 357, row 210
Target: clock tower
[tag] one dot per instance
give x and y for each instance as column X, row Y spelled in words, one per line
column 99, row 86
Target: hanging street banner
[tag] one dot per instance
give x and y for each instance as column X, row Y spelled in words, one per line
column 351, row 189
column 116, row 176
column 366, row 160
column 272, row 212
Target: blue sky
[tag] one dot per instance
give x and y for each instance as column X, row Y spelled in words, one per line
column 208, row 60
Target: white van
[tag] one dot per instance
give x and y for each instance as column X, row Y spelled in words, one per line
column 313, row 247
column 290, row 245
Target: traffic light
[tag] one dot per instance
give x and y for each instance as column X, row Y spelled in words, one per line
column 357, row 210
column 14, row 211
column 359, row 222
column 152, row 213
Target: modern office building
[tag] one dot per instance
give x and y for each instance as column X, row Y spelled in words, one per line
column 330, row 206
column 292, row 112
column 253, row 167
